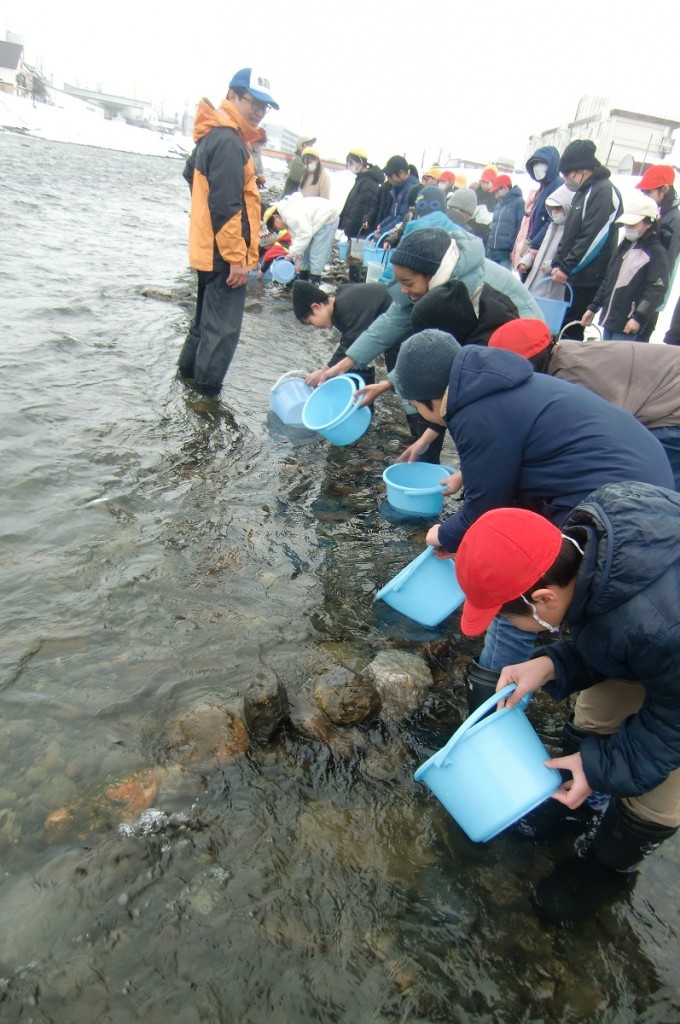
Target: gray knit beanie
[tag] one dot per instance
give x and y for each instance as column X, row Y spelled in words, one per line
column 462, row 199
column 424, row 365
column 422, row 250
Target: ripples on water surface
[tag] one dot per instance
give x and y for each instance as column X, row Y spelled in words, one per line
column 160, row 551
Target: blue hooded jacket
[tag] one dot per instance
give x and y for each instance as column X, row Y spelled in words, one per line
column 436, row 219
column 539, row 221
column 624, row 622
column 527, row 439
column 399, row 207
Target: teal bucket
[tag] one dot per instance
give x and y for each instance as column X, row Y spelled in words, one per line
column 374, row 253
column 343, row 249
column 491, row 772
column 426, row 590
column 553, row 310
column 332, row 412
column 416, row 487
column 283, row 270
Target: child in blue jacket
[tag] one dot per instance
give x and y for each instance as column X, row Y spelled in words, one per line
column 612, row 572
column 507, row 217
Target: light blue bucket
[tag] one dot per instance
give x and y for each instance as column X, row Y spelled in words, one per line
column 415, row 487
column 491, row 772
column 343, row 249
column 426, row 590
column 333, row 413
column 283, row 270
column 374, row 253
column 553, row 310
column 288, row 396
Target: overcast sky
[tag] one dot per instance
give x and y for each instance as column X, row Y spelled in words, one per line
column 475, row 80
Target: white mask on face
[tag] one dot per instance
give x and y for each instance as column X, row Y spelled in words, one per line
column 631, row 233
column 352, row 167
column 442, row 184
column 312, row 165
column 558, row 216
column 540, row 171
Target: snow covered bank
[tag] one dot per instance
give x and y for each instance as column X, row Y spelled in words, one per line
column 68, row 119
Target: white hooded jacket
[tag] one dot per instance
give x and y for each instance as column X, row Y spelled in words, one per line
column 541, row 264
column 304, row 216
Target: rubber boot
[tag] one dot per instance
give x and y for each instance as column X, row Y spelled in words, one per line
column 577, row 888
column 303, row 275
column 316, row 279
column 622, row 841
column 480, row 684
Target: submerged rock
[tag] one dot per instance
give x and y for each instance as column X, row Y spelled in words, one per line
column 265, row 708
column 345, row 698
column 402, row 680
column 205, row 736
column 88, row 812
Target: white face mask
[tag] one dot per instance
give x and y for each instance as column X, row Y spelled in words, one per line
column 352, row 167
column 540, row 171
column 312, row 165
column 442, row 184
column 631, row 234
column 558, row 217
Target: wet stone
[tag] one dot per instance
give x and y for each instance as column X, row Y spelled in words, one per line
column 345, row 698
column 265, row 708
column 204, row 737
column 402, row 680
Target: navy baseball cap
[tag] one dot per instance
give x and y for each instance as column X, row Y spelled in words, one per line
column 257, row 85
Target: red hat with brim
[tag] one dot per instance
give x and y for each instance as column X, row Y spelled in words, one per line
column 656, row 177
column 526, row 337
column 500, row 557
column 447, row 176
column 500, row 182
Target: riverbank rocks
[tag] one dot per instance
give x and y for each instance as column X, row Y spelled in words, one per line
column 204, row 736
column 265, row 708
column 402, row 681
column 345, row 699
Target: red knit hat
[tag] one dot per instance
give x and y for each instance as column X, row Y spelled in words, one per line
column 500, row 181
column 655, row 177
column 525, row 337
column 503, row 554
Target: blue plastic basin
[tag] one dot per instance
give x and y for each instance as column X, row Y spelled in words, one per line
column 426, row 590
column 491, row 772
column 416, row 487
column 332, row 412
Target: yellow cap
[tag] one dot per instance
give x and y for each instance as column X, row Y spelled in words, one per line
column 308, row 151
column 460, row 181
column 433, row 172
column 270, row 212
column 361, row 153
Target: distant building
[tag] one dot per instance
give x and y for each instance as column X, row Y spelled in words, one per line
column 281, row 139
column 11, row 53
column 627, row 142
column 132, row 110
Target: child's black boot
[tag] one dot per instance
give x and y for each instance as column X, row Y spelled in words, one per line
column 578, row 887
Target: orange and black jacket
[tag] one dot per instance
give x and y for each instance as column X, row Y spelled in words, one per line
column 225, row 201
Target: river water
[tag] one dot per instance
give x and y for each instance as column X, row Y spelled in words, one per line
column 162, row 552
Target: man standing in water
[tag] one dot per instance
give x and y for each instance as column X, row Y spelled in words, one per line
column 224, row 227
